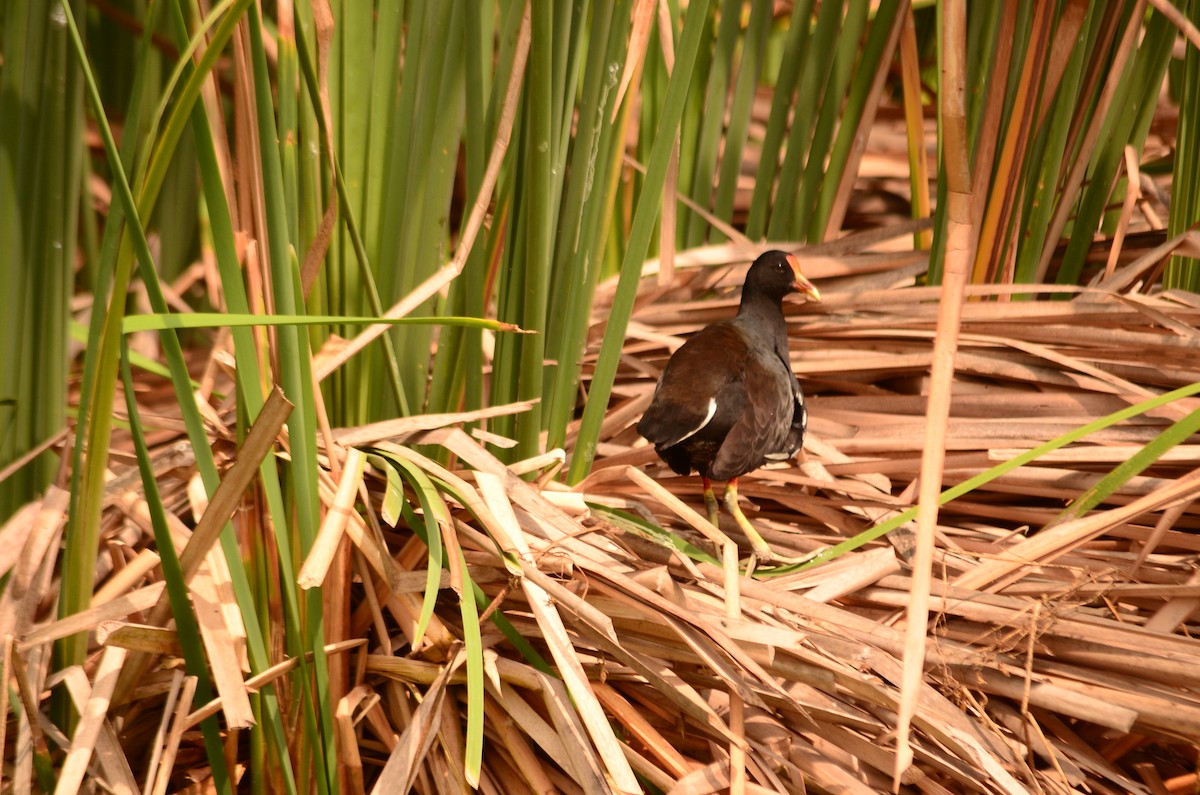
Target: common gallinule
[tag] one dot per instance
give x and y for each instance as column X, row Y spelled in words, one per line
column 727, row 401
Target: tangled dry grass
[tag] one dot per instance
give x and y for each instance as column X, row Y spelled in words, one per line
column 1062, row 655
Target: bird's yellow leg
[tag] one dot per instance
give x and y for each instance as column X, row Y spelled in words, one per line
column 710, row 503
column 762, row 551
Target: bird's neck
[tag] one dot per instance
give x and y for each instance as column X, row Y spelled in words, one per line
column 764, row 315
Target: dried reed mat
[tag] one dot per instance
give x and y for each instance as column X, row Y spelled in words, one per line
column 1060, row 659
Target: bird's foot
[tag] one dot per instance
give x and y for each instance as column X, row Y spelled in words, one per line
column 761, row 551
column 768, row 555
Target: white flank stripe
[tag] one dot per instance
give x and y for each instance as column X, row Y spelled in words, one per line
column 712, row 409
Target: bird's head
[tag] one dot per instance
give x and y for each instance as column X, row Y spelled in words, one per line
column 777, row 273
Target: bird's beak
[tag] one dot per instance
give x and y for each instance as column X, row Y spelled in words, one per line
column 801, row 284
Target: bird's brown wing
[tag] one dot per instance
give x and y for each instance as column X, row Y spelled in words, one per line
column 765, row 421
column 697, row 373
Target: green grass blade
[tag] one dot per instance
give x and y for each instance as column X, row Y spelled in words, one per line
column 175, row 362
column 83, row 530
column 1184, row 272
column 699, row 170
column 635, row 524
column 174, row 110
column 388, row 26
column 160, row 321
column 573, row 257
column 250, row 382
column 352, row 407
column 473, row 648
column 186, row 626
column 304, row 631
column 79, row 333
column 953, row 493
column 461, row 494
column 845, row 61
column 639, row 239
column 744, row 91
column 459, row 349
column 538, row 185
column 1176, row 434
column 418, row 176
column 815, row 76
column 94, row 420
column 1046, row 160
column 1126, row 123
column 391, row 508
column 879, row 49
column 795, row 46
column 40, row 186
column 433, row 509
column 429, row 529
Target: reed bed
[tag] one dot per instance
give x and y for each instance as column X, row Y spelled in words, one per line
column 225, row 589
column 620, row 642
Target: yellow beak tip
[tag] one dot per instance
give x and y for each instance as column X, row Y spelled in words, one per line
column 801, row 284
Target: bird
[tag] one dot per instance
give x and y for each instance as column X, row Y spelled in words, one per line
column 727, row 401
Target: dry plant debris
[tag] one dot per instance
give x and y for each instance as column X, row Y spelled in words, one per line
column 1062, row 657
